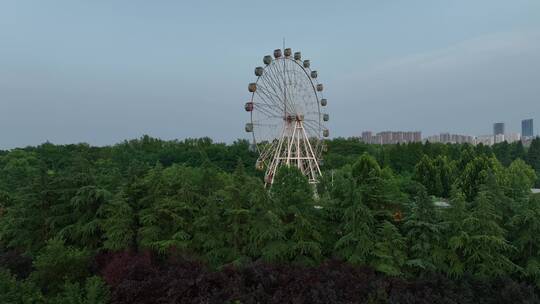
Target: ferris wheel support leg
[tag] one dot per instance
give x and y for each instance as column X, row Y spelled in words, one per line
column 271, row 171
column 290, row 141
column 313, row 160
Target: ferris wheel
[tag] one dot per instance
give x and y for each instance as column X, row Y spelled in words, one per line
column 286, row 121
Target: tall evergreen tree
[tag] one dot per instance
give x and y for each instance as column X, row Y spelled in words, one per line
column 533, row 157
column 425, row 173
column 481, row 244
column 389, row 254
column 423, row 235
column 294, row 201
column 525, row 230
column 358, row 240
column 519, row 179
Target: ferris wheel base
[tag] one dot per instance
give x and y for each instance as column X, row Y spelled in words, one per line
column 293, row 149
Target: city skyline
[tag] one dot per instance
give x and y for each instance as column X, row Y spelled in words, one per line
column 512, row 130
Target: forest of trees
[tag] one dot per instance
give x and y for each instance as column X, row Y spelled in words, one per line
column 153, row 221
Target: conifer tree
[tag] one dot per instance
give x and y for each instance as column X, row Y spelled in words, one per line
column 454, row 218
column 533, row 158
column 389, row 254
column 518, row 151
column 481, row 243
column 358, row 241
column 119, row 224
column 519, row 179
column 525, row 230
column 57, row 262
column 87, row 208
column 168, row 207
column 294, row 201
column 423, row 235
column 425, row 173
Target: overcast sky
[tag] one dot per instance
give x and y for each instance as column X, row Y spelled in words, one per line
column 102, row 71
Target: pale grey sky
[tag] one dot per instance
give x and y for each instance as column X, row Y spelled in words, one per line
column 103, row 71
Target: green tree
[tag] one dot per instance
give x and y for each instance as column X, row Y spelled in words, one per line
column 244, row 200
column 378, row 188
column 119, row 224
column 533, row 157
column 481, row 243
column 423, row 235
column 389, row 252
column 358, row 241
column 87, row 208
column 453, row 224
column 476, row 174
column 294, row 201
column 444, row 176
column 503, row 152
column 18, row 292
column 426, row 174
column 518, row 151
column 525, row 230
column 93, row 292
column 168, row 208
column 519, row 179
column 57, row 262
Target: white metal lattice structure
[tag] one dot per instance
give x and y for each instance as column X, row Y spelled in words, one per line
column 287, row 124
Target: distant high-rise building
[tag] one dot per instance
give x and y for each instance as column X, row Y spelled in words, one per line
column 512, row 137
column 527, row 128
column 391, row 137
column 498, row 128
column 486, row 140
column 367, row 137
column 445, row 137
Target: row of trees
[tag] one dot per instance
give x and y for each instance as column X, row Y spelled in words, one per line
column 61, row 206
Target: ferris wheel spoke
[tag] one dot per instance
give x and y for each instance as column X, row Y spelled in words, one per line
column 293, row 82
column 316, row 129
column 271, row 86
column 271, row 98
column 269, row 101
column 280, row 81
column 267, row 112
column 270, row 104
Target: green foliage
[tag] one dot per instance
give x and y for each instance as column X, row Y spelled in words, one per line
column 93, row 292
column 57, row 263
column 358, row 241
column 423, row 232
column 119, row 224
column 294, row 205
column 60, row 205
column 389, row 252
column 519, row 180
column 475, row 174
column 533, row 158
column 18, row 292
column 481, row 244
column 525, row 231
column 87, row 207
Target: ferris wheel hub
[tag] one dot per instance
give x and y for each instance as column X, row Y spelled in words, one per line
column 294, row 117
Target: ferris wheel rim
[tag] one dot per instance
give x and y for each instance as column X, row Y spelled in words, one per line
column 318, row 96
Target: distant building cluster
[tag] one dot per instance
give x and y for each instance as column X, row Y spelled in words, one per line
column 447, row 138
column 486, row 140
column 391, row 137
column 499, row 135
